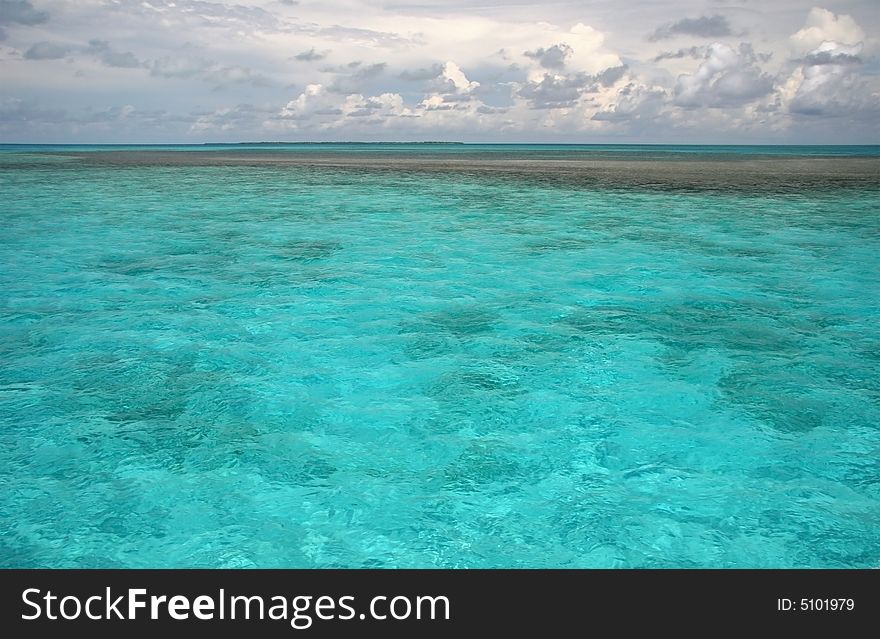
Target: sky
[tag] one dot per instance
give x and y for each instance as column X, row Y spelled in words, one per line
column 602, row 71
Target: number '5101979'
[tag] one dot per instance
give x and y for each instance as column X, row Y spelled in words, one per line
column 839, row 604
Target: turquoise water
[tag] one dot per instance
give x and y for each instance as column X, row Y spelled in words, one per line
column 238, row 366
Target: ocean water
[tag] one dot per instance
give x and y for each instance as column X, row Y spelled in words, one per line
column 255, row 363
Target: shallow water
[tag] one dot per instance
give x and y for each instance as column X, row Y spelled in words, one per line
column 304, row 365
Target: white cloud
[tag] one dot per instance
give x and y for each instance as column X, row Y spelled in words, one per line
column 823, row 25
column 726, row 77
column 831, row 84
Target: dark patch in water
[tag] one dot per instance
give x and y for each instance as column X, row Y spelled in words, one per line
column 465, row 321
column 309, row 250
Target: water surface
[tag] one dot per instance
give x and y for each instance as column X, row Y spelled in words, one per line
column 436, row 356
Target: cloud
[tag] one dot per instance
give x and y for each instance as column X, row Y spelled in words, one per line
column 633, row 104
column 823, row 25
column 47, row 51
column 356, row 81
column 726, row 77
column 310, row 56
column 714, row 26
column 697, row 53
column 417, row 75
column 556, row 91
column 21, row 12
column 450, row 90
column 111, row 58
column 833, row 53
column 831, row 84
column 182, row 68
column 551, row 57
column 318, row 108
column 242, row 117
column 611, row 75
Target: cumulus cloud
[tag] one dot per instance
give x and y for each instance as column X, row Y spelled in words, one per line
column 714, row 26
column 823, row 25
column 556, row 91
column 317, row 108
column 829, row 80
column 21, row 12
column 726, row 77
column 831, row 83
column 551, row 57
column 450, row 90
column 47, row 51
column 559, row 91
column 633, row 104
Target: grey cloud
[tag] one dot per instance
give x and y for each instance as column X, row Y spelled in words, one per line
column 179, row 67
column 47, row 51
column 832, row 84
column 831, row 57
column 289, row 3
column 21, row 12
column 354, row 82
column 111, row 58
column 496, row 94
column 371, row 70
column 551, row 57
column 714, row 26
column 237, row 75
column 727, row 77
column 489, row 110
column 559, row 91
column 310, row 56
column 417, row 75
column 126, row 60
column 184, row 68
column 17, row 114
column 611, row 75
column 554, row 91
column 242, row 117
column 634, row 103
column 692, row 52
column 2, row 34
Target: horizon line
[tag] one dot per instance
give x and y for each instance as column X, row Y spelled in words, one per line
column 433, row 142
